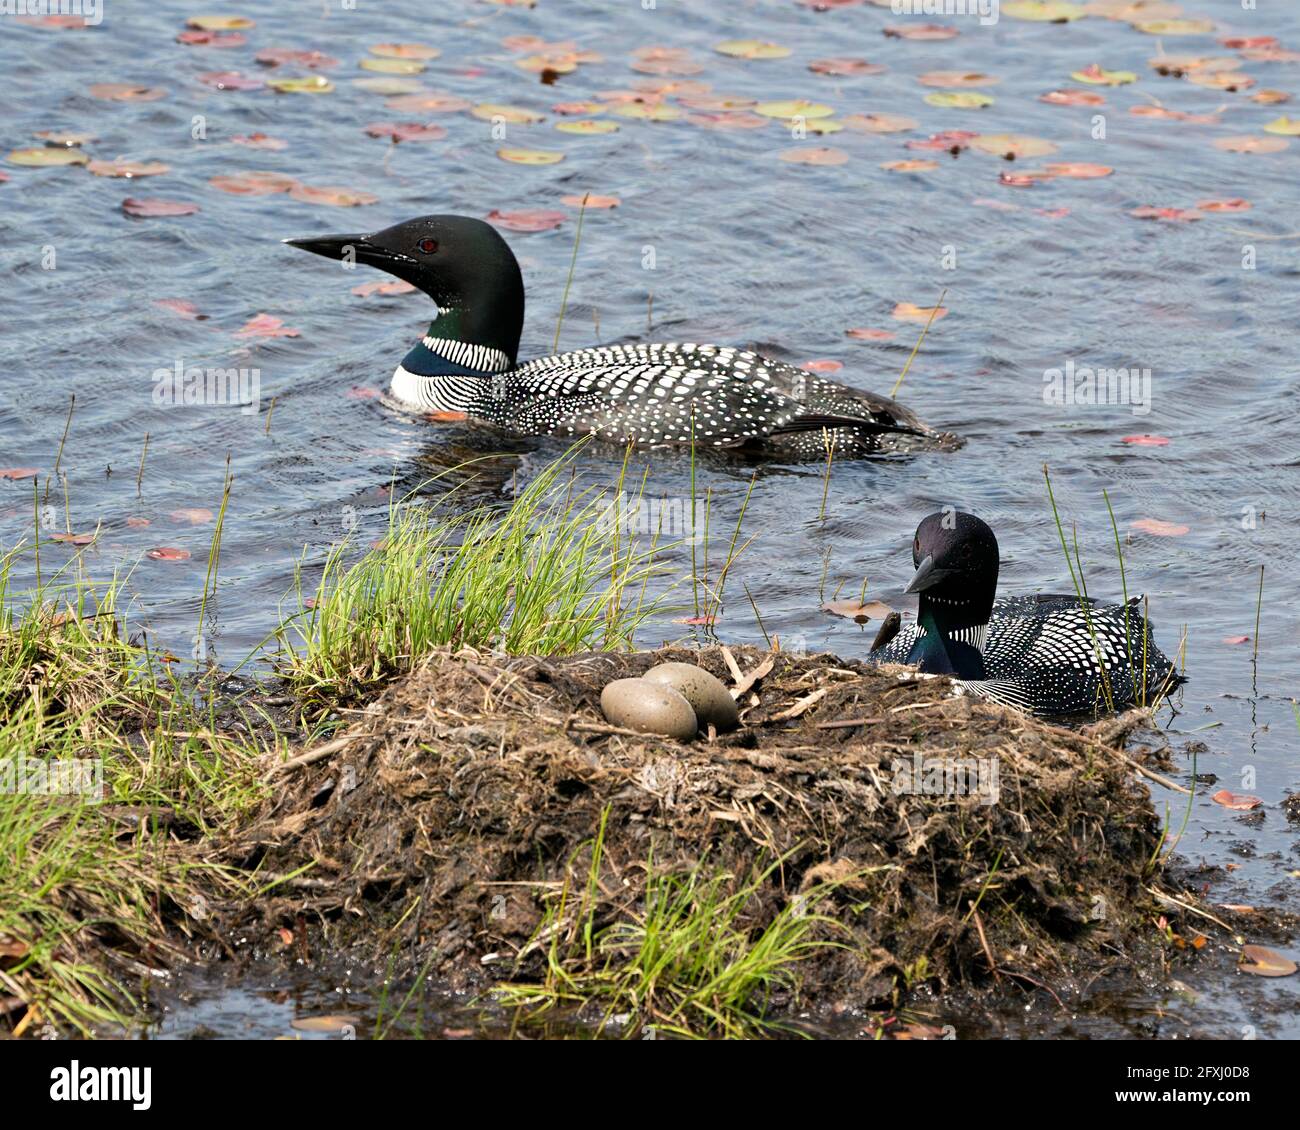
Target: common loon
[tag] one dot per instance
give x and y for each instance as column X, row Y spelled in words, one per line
column 1046, row 655
column 672, row 394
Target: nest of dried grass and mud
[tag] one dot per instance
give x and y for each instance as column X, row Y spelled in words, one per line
column 435, row 830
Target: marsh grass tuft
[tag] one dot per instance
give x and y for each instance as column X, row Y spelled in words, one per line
column 550, row 574
column 90, row 882
column 690, row 962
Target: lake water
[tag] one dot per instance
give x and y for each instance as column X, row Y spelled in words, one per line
column 737, row 245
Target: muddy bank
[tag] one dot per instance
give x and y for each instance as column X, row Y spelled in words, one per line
column 943, row 841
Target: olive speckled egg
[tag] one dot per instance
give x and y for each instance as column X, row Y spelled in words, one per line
column 649, row 708
column 708, row 697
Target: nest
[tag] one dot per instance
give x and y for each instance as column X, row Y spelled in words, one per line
column 434, row 828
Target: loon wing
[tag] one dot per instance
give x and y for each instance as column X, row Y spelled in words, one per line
column 712, row 395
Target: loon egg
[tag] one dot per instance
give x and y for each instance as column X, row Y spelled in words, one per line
column 709, row 699
column 649, row 708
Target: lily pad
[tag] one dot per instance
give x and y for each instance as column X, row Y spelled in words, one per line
column 960, row 100
column 47, row 156
column 311, row 84
column 516, row 115
column 530, row 156
column 120, row 168
column 814, row 155
column 1043, row 11
column 794, row 108
column 752, row 49
column 404, row 51
column 150, row 207
column 587, row 125
column 392, row 66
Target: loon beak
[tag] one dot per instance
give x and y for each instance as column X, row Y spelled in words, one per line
column 357, row 247
column 927, row 576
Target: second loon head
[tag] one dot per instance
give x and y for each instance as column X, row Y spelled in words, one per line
column 463, row 264
column 956, row 559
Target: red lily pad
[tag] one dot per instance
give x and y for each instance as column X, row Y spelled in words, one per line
column 16, row 473
column 1236, row 204
column 168, row 553
column 73, row 539
column 1072, row 98
column 278, row 56
column 125, row 92
column 229, row 80
column 1264, row 962
column 192, row 515
column 1146, row 440
column 863, row 333
column 182, row 307
column 537, row 219
column 406, row 131
column 195, row 38
column 331, row 195
column 823, row 365
column 844, row 68
column 1160, row 528
column 389, row 287
column 266, row 325
column 1173, row 215
column 1238, row 802
column 151, row 207
column 1235, row 640
column 260, row 141
column 920, row 31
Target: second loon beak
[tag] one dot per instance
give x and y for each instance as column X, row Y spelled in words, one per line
column 928, row 574
column 334, row 246
column 357, row 248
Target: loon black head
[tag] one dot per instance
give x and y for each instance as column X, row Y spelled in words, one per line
column 462, row 263
column 956, row 559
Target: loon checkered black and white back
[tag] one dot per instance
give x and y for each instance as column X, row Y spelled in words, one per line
column 652, row 395
column 1046, row 655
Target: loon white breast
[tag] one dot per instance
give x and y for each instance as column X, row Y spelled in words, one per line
column 648, row 394
column 1046, row 655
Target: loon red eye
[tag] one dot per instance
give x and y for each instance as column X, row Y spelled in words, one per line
column 428, row 246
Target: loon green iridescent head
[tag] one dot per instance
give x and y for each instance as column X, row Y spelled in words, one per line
column 956, row 558
column 462, row 263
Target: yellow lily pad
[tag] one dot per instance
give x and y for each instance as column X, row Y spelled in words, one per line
column 1284, row 126
column 220, row 23
column 752, row 49
column 312, row 84
column 794, row 108
column 587, row 125
column 823, row 125
column 404, row 51
column 47, row 156
column 960, row 99
column 392, row 66
column 1099, row 77
column 515, row 115
column 1044, row 11
column 564, row 64
column 1014, row 145
column 530, row 156
column 1175, row 27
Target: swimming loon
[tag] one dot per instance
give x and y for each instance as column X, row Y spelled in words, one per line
column 1046, row 655
column 672, row 394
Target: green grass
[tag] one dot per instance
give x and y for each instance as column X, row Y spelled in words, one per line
column 690, row 962
column 87, row 883
column 551, row 574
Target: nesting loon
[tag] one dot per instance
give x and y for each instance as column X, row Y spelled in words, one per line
column 1045, row 655
column 673, row 394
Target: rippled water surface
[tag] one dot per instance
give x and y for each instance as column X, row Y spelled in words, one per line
column 747, row 248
